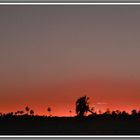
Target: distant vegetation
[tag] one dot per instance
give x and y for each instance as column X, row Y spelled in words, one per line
column 85, row 122
column 81, row 110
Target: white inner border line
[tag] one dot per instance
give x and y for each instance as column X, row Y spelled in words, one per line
column 71, row 136
column 64, row 3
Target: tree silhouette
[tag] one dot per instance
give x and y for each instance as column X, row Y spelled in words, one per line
column 31, row 112
column 108, row 112
column 118, row 112
column 17, row 112
column 82, row 106
column 114, row 114
column 21, row 112
column 124, row 114
column 27, row 109
column 49, row 110
column 138, row 113
column 100, row 112
column 70, row 112
column 134, row 112
column 92, row 109
column 10, row 114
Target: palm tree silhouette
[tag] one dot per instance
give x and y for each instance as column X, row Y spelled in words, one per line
column 27, row 109
column 49, row 110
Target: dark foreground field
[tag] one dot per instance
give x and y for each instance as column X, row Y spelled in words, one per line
column 69, row 126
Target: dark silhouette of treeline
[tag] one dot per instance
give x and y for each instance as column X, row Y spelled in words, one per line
column 82, row 108
column 85, row 122
column 107, row 113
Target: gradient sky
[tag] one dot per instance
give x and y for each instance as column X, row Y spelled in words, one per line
column 51, row 55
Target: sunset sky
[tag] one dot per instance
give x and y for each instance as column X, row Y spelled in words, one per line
column 51, row 55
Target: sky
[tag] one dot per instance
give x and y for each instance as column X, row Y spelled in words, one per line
column 52, row 55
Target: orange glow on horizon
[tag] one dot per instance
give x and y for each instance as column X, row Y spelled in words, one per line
column 61, row 98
